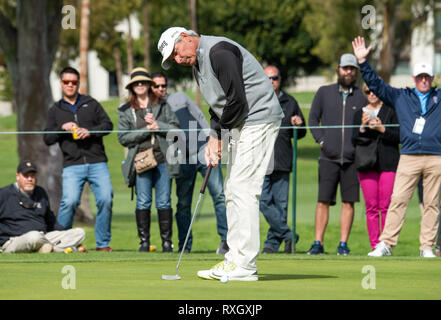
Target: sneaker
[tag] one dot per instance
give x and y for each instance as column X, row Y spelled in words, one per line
column 46, row 248
column 229, row 270
column 288, row 246
column 267, row 251
column 428, row 253
column 223, row 247
column 343, row 249
column 186, row 250
column 381, row 250
column 316, row 248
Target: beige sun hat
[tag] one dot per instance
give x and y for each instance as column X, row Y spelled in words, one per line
column 139, row 74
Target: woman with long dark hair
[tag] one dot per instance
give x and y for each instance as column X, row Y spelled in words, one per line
column 143, row 125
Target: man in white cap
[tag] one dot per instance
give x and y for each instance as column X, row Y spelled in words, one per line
column 419, row 114
column 243, row 104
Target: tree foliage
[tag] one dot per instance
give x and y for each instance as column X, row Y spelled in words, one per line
column 334, row 24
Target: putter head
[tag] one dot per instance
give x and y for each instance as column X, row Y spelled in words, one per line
column 171, row 277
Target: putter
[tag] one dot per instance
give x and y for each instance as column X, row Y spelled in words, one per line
column 201, row 193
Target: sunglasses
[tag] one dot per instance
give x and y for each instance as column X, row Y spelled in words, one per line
column 275, row 78
column 66, row 82
column 140, row 83
column 421, row 77
column 368, row 92
column 163, row 86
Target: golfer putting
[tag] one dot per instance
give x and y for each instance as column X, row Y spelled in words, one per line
column 243, row 104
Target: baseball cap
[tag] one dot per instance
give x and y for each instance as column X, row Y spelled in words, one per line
column 26, row 166
column 166, row 44
column 348, row 59
column 421, row 68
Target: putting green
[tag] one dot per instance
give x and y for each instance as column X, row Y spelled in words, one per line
column 135, row 276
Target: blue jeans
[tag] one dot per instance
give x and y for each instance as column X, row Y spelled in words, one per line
column 145, row 182
column 184, row 189
column 98, row 177
column 274, row 204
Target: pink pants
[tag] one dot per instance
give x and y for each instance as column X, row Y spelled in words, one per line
column 377, row 190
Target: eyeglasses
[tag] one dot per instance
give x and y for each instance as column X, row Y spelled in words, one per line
column 66, row 82
column 275, row 78
column 368, row 92
column 163, row 86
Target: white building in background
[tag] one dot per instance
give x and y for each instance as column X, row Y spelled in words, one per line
column 102, row 84
column 98, row 79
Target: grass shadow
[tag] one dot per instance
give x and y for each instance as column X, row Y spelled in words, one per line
column 275, row 277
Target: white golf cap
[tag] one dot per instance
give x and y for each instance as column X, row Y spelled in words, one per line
column 421, row 68
column 166, row 44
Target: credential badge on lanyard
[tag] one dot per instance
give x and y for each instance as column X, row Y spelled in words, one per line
column 419, row 125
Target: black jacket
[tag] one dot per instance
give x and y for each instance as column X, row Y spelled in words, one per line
column 388, row 144
column 283, row 145
column 327, row 109
column 16, row 220
column 90, row 115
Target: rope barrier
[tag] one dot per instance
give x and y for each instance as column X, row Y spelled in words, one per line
column 189, row 130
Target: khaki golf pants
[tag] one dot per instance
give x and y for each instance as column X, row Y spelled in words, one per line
column 250, row 152
column 33, row 240
column 410, row 169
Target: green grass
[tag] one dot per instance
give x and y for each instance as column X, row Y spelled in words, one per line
column 130, row 275
column 127, row 274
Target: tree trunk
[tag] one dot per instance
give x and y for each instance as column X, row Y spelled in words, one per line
column 84, row 46
column 119, row 72
column 387, row 54
column 130, row 62
column 83, row 212
column 194, row 27
column 29, row 50
column 146, row 26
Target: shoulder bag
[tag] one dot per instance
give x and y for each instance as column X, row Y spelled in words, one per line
column 366, row 153
column 145, row 160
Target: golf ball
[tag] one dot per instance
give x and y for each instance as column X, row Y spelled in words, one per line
column 224, row 279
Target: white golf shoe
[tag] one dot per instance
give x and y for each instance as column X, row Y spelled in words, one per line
column 230, row 271
column 380, row 250
column 428, row 253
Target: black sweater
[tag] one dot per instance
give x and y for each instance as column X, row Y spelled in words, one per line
column 388, row 144
column 16, row 220
column 90, row 115
column 283, row 145
column 328, row 109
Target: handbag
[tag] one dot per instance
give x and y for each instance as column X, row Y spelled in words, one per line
column 366, row 151
column 145, row 160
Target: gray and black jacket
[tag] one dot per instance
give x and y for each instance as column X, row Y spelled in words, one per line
column 234, row 85
column 166, row 120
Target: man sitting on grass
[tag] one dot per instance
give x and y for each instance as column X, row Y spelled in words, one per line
column 27, row 223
